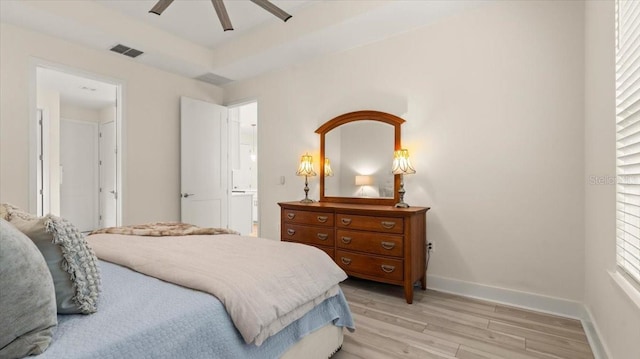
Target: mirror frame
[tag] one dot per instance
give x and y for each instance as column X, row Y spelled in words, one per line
column 388, row 118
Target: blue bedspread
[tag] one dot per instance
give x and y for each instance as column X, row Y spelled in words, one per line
column 142, row 317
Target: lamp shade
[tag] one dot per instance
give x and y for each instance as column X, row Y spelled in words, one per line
column 401, row 163
column 364, row 180
column 306, row 166
column 328, row 172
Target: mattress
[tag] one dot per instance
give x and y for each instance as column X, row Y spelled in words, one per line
column 320, row 344
column 143, row 317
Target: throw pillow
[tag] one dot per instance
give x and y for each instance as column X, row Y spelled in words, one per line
column 7, row 209
column 15, row 212
column 4, row 211
column 27, row 297
column 79, row 260
column 73, row 265
column 65, row 288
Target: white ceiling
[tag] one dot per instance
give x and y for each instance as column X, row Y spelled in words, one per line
column 187, row 39
column 197, row 21
column 76, row 90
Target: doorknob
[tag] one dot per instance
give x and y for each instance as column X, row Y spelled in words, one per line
column 185, row 195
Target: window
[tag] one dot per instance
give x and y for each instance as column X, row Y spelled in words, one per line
column 628, row 136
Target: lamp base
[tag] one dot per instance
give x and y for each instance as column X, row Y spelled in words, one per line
column 401, row 193
column 306, row 192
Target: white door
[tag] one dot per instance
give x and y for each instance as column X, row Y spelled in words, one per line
column 203, row 163
column 108, row 183
column 79, row 173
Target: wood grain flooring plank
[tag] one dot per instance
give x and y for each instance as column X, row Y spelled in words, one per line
column 443, row 325
column 541, row 347
column 470, row 353
column 520, row 321
column 476, row 308
column 416, row 339
column 482, row 345
column 389, row 319
column 390, row 347
column 544, row 318
column 458, row 298
column 414, row 323
column 544, row 328
column 422, row 314
column 543, row 337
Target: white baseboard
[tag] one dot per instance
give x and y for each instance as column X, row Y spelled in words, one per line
column 593, row 334
column 525, row 300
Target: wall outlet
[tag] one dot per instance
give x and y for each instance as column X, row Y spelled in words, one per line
column 430, row 247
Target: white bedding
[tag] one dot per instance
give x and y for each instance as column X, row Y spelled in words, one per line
column 264, row 284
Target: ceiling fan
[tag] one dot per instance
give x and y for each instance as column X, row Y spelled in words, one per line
column 221, row 10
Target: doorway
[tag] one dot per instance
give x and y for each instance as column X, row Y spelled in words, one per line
column 243, row 161
column 77, row 161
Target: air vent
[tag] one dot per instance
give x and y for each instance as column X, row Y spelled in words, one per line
column 126, row 50
column 214, row 79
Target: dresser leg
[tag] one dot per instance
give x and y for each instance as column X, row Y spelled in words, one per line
column 423, row 282
column 408, row 292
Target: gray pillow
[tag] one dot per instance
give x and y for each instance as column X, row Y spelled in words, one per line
column 72, row 263
column 27, row 298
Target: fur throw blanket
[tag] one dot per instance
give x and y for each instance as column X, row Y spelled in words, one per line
column 161, row 229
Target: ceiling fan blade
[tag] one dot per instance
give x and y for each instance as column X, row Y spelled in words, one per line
column 268, row 5
column 160, row 6
column 221, row 10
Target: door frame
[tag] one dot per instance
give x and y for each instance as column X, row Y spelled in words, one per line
column 34, row 64
column 239, row 103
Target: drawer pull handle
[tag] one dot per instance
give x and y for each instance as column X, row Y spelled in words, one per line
column 291, row 232
column 322, row 219
column 346, row 240
column 388, row 224
column 387, row 245
column 346, row 221
column 291, row 215
column 322, row 236
column 345, row 260
column 387, row 268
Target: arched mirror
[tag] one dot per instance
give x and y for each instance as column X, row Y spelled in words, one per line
column 356, row 152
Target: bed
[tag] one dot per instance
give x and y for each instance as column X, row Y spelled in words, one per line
column 194, row 296
column 144, row 317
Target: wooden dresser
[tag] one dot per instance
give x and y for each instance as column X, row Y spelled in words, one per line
column 380, row 243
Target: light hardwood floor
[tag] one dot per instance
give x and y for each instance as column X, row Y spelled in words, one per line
column 441, row 325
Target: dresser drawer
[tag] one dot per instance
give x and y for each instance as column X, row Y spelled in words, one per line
column 329, row 250
column 369, row 223
column 370, row 242
column 380, row 267
column 308, row 217
column 308, row 234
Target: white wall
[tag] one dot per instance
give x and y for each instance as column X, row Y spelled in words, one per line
column 107, row 114
column 78, row 113
column 616, row 317
column 493, row 100
column 151, row 120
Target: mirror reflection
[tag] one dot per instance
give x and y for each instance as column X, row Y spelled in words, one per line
column 360, row 156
